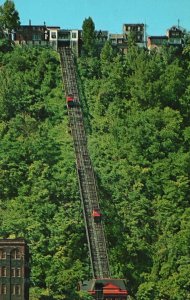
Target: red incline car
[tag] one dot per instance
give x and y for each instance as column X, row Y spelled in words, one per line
column 71, row 101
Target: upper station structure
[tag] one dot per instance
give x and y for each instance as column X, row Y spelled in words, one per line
column 56, row 37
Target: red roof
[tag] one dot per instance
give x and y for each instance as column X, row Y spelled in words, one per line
column 96, row 213
column 113, row 289
column 70, row 98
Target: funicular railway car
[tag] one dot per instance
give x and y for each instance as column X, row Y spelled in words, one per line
column 71, row 101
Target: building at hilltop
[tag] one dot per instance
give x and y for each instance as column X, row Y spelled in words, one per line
column 55, row 37
column 136, row 31
column 155, row 42
column 174, row 37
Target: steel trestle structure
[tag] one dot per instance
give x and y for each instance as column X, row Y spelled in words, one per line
column 86, row 178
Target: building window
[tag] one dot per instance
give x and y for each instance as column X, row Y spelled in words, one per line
column 13, row 289
column 74, row 44
column 13, row 273
column 53, row 35
column 74, row 35
column 3, row 272
column 113, row 41
column 15, row 254
column 36, row 37
column 64, row 36
column 18, row 272
column 17, row 290
column 139, row 38
column 2, row 254
column 3, row 289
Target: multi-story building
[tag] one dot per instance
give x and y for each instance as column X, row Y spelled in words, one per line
column 101, row 36
column 175, row 36
column 53, row 36
column 14, row 271
column 155, row 42
column 119, row 41
column 116, row 38
column 31, row 35
column 58, row 37
column 137, row 31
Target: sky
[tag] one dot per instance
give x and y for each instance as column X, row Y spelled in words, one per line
column 158, row 15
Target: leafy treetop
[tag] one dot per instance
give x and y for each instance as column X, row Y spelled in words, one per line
column 9, row 17
column 88, row 28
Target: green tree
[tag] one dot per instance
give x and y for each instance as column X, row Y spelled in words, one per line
column 9, row 17
column 139, row 144
column 88, row 37
column 106, row 56
column 37, row 177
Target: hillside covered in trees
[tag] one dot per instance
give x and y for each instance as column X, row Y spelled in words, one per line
column 136, row 110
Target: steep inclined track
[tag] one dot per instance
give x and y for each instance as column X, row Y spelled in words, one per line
column 87, row 183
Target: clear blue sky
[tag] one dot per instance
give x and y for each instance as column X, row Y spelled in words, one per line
column 159, row 15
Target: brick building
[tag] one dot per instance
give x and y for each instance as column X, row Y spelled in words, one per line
column 14, row 271
column 31, row 35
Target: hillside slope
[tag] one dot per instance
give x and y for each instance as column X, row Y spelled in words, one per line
column 137, row 118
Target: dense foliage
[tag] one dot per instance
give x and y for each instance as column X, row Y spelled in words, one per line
column 139, row 134
column 39, row 195
column 137, row 117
